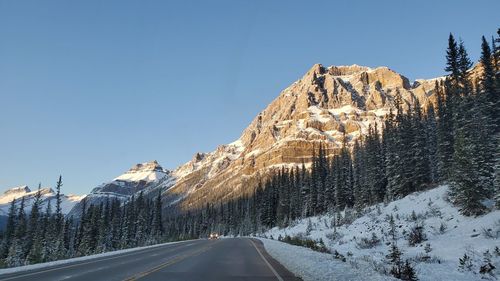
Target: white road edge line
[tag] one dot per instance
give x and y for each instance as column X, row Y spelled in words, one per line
column 268, row 264
column 90, row 261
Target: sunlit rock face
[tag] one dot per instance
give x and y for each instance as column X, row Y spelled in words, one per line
column 320, row 108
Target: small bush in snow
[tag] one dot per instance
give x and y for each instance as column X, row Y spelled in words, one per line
column 465, row 263
column 413, row 216
column 393, row 232
column 424, row 257
column 339, row 256
column 416, row 235
column 368, row 243
column 318, row 246
column 428, row 248
column 334, row 236
column 309, row 227
column 400, row 270
column 375, row 265
column 489, row 233
column 408, row 272
column 487, row 267
column 434, row 210
column 354, row 263
column 326, row 223
column 442, row 228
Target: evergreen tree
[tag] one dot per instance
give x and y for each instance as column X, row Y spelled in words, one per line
column 47, row 231
column 394, row 258
column 34, row 243
column 157, row 225
column 420, row 153
column 431, row 143
column 408, row 273
column 375, row 174
column 464, row 64
column 360, row 189
column 58, row 214
column 444, row 132
column 17, row 250
column 452, row 57
column 465, row 190
column 10, row 227
column 392, row 159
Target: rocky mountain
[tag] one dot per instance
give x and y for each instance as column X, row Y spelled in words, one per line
column 145, row 177
column 322, row 106
column 48, row 195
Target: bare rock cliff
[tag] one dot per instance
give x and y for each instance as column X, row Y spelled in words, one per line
column 321, row 107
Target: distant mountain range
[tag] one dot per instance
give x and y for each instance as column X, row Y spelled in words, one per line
column 324, row 106
column 48, row 195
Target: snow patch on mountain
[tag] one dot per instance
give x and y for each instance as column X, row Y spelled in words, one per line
column 213, row 161
column 141, row 176
column 148, row 171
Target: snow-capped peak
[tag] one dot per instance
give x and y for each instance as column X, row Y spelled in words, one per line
column 47, row 194
column 148, row 171
column 17, row 190
column 14, row 193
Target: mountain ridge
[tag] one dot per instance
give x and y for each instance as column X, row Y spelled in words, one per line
column 47, row 195
column 322, row 106
column 142, row 177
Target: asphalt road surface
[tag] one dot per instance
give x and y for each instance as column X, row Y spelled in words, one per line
column 204, row 260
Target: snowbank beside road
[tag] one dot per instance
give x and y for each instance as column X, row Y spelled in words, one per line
column 448, row 236
column 310, row 265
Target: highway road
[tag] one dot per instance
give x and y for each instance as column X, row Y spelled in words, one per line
column 204, row 260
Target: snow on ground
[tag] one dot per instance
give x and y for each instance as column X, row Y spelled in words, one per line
column 60, row 262
column 310, row 265
column 449, row 234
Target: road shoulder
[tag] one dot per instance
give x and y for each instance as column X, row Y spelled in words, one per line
column 282, row 271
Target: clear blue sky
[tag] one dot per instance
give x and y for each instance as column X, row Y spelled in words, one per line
column 88, row 88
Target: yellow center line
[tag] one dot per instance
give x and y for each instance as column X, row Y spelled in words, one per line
column 168, row 263
column 117, row 256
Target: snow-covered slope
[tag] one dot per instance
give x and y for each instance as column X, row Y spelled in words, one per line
column 449, row 235
column 48, row 195
column 145, row 177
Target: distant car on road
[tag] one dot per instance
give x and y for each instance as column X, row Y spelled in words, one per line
column 213, row 236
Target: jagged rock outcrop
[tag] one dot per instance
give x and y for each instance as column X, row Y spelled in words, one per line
column 320, row 108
